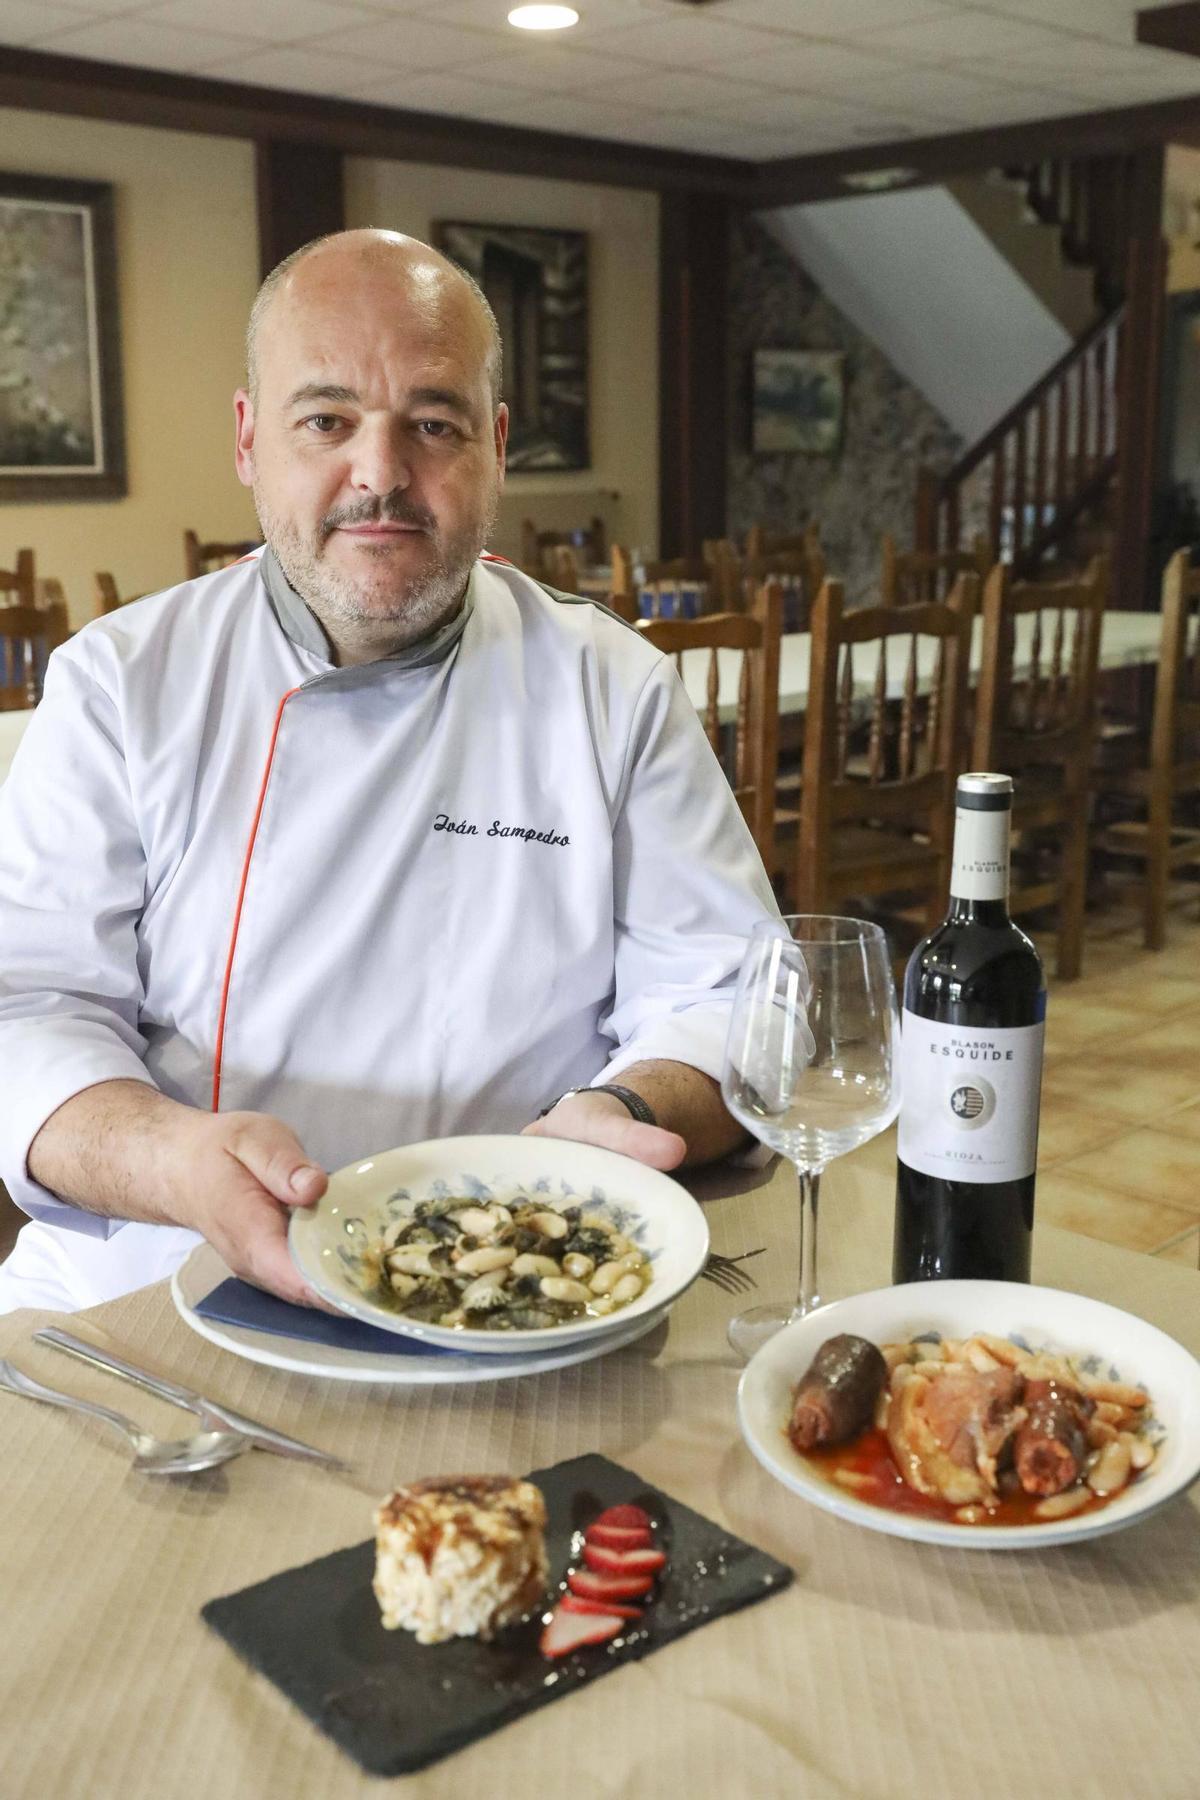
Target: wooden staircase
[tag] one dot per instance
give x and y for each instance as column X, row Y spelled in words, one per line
column 1048, row 469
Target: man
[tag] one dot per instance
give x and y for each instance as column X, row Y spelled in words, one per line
column 366, row 840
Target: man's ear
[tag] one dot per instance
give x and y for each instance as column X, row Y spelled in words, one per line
column 243, row 448
column 501, row 437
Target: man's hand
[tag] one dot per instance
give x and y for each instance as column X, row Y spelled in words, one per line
column 246, row 1171
column 123, row 1150
column 593, row 1118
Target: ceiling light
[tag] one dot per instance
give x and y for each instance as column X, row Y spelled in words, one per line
column 543, row 18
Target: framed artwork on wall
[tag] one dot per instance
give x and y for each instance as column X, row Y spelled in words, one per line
column 799, row 398
column 536, row 282
column 62, row 428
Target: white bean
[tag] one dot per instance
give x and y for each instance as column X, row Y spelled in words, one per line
column 606, row 1277
column 577, row 1266
column 1061, row 1506
column 476, row 1222
column 411, row 1259
column 478, row 1262
column 1112, row 1469
column 402, row 1284
column 600, row 1304
column 1141, row 1450
column 486, row 1291
column 529, row 1264
column 632, row 1259
column 628, row 1288
column 558, row 1287
column 550, row 1224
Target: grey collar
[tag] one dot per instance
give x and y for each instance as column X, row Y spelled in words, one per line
column 301, row 624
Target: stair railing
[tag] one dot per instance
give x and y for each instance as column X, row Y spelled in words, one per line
column 1051, row 456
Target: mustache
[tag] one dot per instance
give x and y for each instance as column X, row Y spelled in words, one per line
column 392, row 509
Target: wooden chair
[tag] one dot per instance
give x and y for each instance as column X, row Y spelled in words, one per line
column 798, row 574
column 750, row 764
column 910, row 576
column 589, row 542
column 683, row 587
column 1173, row 768
column 106, row 596
column 27, row 636
column 1035, row 719
column 19, row 582
column 203, row 559
column 892, row 832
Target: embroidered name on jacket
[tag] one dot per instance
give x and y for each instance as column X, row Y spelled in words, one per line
column 529, row 834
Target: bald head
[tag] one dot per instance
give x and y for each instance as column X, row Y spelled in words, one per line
column 420, row 275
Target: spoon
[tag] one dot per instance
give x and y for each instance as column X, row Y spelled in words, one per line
column 154, row 1456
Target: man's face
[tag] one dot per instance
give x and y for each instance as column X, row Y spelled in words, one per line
column 372, row 445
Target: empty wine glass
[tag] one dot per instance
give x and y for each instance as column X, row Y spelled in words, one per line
column 811, row 1065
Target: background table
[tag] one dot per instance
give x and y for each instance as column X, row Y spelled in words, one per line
column 888, row 1671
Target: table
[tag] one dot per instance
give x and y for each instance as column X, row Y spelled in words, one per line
column 888, row 1671
column 1127, row 638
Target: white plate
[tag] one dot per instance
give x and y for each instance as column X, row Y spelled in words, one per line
column 204, row 1270
column 1127, row 1349
column 327, row 1240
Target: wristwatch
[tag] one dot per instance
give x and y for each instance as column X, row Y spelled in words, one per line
column 640, row 1109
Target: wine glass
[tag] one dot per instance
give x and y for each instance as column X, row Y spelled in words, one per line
column 811, row 1065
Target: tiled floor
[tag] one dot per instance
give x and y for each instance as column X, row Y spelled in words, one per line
column 1119, row 1151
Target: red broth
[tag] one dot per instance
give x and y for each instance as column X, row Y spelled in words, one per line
column 869, row 1456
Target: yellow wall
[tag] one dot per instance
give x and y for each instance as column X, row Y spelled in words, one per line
column 187, row 261
column 623, row 349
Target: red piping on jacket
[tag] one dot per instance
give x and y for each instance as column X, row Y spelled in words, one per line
column 237, row 913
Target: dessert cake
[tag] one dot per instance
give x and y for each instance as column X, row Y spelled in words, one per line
column 459, row 1555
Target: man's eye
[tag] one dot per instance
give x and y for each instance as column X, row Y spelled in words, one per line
column 323, row 423
column 436, row 428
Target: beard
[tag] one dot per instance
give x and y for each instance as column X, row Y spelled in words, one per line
column 411, row 604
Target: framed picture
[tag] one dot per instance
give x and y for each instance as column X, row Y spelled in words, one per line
column 62, row 430
column 798, row 401
column 536, row 283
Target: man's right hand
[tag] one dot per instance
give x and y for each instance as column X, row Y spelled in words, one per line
column 125, row 1151
column 245, row 1172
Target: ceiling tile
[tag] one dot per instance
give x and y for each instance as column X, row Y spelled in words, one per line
column 305, row 71
column 274, row 21
column 145, row 46
column 22, row 22
column 682, row 90
column 806, row 65
column 1113, row 19
column 410, row 43
column 421, row 91
column 552, row 69
column 687, row 40
column 833, row 18
column 967, row 36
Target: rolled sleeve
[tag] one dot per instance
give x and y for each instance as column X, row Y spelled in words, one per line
column 72, row 886
column 689, row 888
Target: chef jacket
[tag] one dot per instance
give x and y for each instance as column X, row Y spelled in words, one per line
column 386, row 903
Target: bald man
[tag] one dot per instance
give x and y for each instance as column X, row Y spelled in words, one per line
column 366, row 840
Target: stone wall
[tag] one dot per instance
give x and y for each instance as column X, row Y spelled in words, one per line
column 868, row 486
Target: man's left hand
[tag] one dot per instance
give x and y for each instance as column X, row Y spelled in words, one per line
column 601, row 1119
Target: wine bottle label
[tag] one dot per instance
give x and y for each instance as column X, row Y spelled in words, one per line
column 969, row 1107
column 980, row 855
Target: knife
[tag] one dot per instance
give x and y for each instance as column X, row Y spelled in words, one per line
column 212, row 1412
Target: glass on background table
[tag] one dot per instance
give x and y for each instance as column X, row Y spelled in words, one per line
column 811, row 1066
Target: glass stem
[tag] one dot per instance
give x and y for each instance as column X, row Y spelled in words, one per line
column 810, row 1190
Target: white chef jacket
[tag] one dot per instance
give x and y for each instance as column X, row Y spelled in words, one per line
column 409, row 899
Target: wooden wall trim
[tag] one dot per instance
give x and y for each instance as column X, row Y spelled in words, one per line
column 693, row 352
column 1141, row 386
column 300, row 197
column 1171, row 27
column 35, row 81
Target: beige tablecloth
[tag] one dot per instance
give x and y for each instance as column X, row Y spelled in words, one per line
column 889, row 1671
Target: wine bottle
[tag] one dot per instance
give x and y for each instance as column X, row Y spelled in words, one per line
column 971, row 1066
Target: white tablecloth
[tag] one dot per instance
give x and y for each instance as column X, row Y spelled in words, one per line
column 1127, row 637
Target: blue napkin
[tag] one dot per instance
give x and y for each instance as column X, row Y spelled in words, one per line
column 238, row 1303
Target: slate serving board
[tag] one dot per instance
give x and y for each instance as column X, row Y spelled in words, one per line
column 396, row 1706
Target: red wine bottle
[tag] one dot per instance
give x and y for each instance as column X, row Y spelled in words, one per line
column 971, row 1067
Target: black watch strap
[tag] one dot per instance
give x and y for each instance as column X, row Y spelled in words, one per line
column 638, row 1108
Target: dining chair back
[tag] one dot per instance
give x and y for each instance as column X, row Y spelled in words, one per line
column 682, row 587
column 27, row 636
column 589, row 543
column 910, row 576
column 799, row 575
column 17, row 585
column 1141, row 802
column 203, row 559
column 748, row 744
column 898, row 675
column 1035, row 719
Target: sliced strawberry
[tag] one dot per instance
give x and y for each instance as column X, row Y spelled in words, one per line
column 623, row 1562
column 572, row 1602
column 595, row 1584
column 567, row 1631
column 625, row 1515
column 619, row 1537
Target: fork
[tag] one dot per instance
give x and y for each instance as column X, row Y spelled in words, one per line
column 726, row 1271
